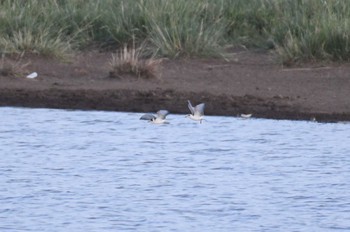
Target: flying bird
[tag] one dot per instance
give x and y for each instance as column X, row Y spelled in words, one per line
column 156, row 119
column 197, row 112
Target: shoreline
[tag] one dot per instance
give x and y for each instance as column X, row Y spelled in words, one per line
column 251, row 83
column 78, row 100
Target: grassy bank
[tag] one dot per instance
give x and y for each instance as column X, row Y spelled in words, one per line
column 296, row 29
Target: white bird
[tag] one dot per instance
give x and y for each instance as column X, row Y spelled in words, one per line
column 159, row 119
column 197, row 112
column 32, row 75
column 246, row 115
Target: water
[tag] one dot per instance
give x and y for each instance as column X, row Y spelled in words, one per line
column 107, row 171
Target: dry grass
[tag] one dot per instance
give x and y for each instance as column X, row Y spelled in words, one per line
column 12, row 68
column 129, row 61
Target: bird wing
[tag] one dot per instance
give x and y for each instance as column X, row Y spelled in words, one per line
column 199, row 109
column 191, row 107
column 162, row 114
column 148, row 117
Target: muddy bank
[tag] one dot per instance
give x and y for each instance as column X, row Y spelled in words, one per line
column 148, row 101
column 250, row 83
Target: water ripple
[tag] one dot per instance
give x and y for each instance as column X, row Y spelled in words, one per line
column 107, row 171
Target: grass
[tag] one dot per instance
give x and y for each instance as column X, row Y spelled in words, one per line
column 185, row 28
column 297, row 30
column 132, row 61
column 12, row 67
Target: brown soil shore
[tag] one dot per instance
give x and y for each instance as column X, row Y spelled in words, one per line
column 250, row 83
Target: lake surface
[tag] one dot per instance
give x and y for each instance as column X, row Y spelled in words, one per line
column 109, row 171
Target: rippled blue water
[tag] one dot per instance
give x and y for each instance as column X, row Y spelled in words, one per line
column 106, row 171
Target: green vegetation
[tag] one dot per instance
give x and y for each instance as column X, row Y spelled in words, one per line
column 296, row 29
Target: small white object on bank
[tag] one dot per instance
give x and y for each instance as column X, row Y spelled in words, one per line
column 246, row 115
column 159, row 119
column 32, row 75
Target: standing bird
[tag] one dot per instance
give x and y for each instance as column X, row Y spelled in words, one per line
column 197, row 112
column 159, row 119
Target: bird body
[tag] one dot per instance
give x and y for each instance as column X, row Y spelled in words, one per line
column 158, row 119
column 197, row 112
